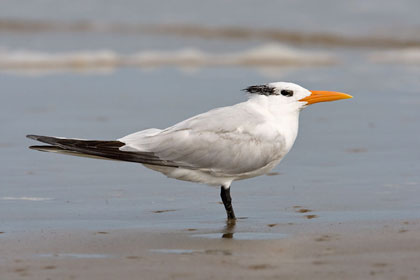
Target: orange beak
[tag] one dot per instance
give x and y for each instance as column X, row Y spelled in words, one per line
column 323, row 96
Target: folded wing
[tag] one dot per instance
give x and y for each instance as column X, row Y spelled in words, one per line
column 207, row 142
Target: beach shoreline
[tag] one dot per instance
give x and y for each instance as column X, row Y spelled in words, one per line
column 354, row 250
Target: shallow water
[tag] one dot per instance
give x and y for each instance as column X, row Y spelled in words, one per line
column 355, row 160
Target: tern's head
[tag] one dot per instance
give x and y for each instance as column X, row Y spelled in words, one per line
column 289, row 93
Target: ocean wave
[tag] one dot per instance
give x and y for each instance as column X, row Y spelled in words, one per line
column 402, row 56
column 222, row 32
column 266, row 55
column 26, row 198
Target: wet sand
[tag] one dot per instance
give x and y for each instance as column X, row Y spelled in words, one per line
column 387, row 250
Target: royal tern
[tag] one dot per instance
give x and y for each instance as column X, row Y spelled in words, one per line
column 215, row 148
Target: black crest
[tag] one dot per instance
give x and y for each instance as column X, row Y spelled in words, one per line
column 261, row 89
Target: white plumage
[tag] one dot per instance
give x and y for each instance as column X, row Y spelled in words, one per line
column 226, row 144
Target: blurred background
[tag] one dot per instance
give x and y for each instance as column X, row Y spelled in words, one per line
column 103, row 69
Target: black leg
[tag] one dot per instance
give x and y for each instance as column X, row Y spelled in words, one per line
column 227, row 201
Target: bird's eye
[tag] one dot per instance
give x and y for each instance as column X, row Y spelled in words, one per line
column 286, row 92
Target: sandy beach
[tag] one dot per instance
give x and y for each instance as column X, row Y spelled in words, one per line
column 389, row 250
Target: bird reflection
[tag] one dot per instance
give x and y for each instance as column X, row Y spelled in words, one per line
column 229, row 229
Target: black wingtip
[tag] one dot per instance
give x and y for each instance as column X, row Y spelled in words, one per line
column 32, row 136
column 42, row 148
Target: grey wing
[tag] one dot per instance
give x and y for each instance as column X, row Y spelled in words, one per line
column 208, row 142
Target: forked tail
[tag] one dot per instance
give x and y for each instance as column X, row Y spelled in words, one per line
column 97, row 149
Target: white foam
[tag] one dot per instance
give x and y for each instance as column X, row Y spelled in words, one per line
column 26, row 198
column 404, row 56
column 278, row 55
column 266, row 55
column 31, row 59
